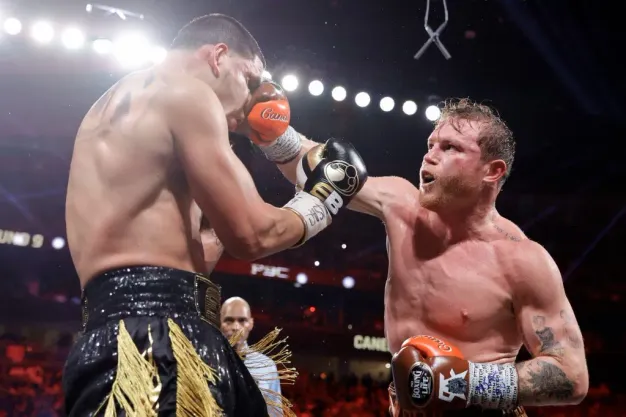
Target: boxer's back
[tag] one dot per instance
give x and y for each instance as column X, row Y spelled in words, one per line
column 457, row 291
column 127, row 200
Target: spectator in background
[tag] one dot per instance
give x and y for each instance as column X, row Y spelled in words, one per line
column 236, row 324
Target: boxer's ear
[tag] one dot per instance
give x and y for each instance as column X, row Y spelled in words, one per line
column 214, row 55
column 494, row 171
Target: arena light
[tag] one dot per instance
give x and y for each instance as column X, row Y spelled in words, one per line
column 58, row 243
column 348, row 282
column 316, row 88
column 42, row 32
column 343, row 246
column 88, row 8
column 339, row 93
column 433, row 113
column 316, row 263
column 12, row 26
column 362, row 99
column 387, row 365
column 131, row 50
column 102, row 46
column 290, row 82
column 409, row 108
column 157, row 54
column 301, row 278
column 266, row 76
column 387, row 104
column 73, row 38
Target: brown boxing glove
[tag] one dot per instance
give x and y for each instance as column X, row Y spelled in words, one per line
column 268, row 115
column 429, row 372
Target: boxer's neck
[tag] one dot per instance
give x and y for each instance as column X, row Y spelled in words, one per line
column 467, row 222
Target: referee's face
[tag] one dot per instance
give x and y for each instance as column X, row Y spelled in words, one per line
column 236, row 318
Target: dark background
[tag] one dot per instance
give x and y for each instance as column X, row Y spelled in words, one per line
column 551, row 68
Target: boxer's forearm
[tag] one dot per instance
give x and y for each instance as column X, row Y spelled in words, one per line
column 289, row 169
column 550, row 381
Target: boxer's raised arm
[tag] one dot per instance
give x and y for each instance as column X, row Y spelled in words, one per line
column 557, row 374
column 221, row 185
column 374, row 197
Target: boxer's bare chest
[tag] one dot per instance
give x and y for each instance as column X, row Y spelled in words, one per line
column 458, row 292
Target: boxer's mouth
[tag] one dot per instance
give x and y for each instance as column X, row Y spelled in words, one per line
column 427, row 177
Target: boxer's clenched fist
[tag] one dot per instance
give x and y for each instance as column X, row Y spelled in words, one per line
column 268, row 113
column 329, row 175
column 268, row 116
column 429, row 372
column 333, row 172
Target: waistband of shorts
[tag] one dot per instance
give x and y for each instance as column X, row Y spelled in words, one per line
column 149, row 291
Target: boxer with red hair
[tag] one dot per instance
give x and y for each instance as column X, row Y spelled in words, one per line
column 466, row 288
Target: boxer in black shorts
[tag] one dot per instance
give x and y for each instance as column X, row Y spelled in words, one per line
column 152, row 160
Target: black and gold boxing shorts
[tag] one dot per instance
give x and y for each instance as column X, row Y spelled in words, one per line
column 151, row 346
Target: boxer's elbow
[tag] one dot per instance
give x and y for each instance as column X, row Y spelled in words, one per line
column 581, row 383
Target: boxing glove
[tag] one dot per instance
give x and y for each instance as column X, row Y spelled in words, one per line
column 326, row 184
column 431, row 373
column 334, row 172
column 268, row 115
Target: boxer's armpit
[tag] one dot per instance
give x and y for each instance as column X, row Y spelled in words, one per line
column 544, row 382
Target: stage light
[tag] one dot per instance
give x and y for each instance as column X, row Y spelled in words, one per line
column 387, row 365
column 409, row 108
column 73, row 38
column 301, row 278
column 348, row 282
column 131, row 50
column 266, row 76
column 12, row 26
column 316, row 263
column 42, row 32
column 343, row 246
column 89, row 8
column 58, row 243
column 157, row 54
column 316, row 88
column 433, row 113
column 386, row 104
column 290, row 82
column 362, row 99
column 339, row 93
column 102, row 46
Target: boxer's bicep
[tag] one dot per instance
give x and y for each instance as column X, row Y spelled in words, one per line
column 558, row 372
column 380, row 193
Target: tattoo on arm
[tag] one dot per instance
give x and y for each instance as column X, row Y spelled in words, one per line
column 549, row 344
column 571, row 333
column 541, row 382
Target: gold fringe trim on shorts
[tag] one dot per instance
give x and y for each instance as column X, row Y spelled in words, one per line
column 278, row 351
column 193, row 376
column 136, row 386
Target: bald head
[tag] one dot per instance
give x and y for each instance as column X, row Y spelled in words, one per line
column 235, row 316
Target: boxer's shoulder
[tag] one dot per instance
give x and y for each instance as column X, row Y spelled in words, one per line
column 527, row 263
column 181, row 90
column 401, row 197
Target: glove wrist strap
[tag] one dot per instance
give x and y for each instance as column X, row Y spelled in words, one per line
column 313, row 213
column 493, row 386
column 285, row 148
